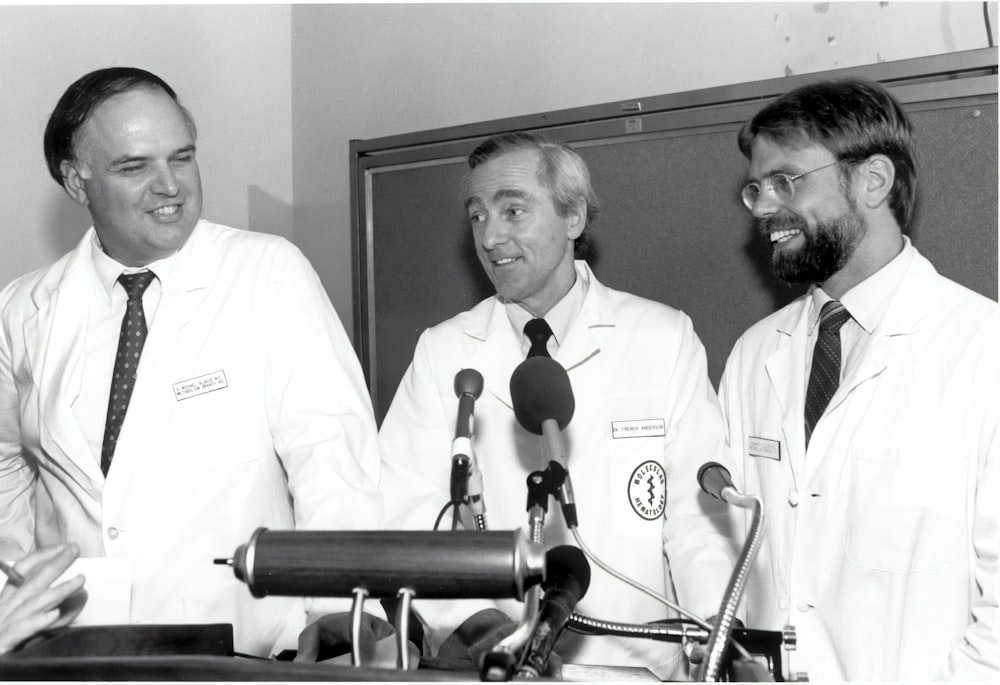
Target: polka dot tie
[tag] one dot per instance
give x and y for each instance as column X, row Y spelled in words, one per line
column 130, row 342
column 538, row 333
column 825, row 375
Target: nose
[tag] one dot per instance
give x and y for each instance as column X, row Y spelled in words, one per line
column 165, row 181
column 765, row 206
column 494, row 233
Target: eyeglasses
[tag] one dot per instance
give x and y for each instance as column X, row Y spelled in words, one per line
column 782, row 186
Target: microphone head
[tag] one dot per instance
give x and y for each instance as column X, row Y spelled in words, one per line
column 540, row 390
column 566, row 562
column 713, row 477
column 469, row 382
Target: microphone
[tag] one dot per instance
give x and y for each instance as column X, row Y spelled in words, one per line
column 468, row 388
column 567, row 577
column 432, row 564
column 715, row 480
column 543, row 404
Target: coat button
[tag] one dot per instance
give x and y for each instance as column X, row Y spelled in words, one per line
column 112, row 533
column 803, row 606
column 793, row 498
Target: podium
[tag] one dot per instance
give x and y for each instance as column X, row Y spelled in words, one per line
column 205, row 653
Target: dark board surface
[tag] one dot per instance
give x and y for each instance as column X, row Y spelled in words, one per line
column 672, row 228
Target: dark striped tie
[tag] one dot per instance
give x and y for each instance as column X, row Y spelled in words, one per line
column 538, row 333
column 825, row 375
column 130, row 343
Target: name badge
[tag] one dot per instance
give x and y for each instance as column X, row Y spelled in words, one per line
column 193, row 387
column 764, row 448
column 643, row 428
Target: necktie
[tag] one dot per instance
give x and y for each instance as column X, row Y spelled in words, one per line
column 538, row 333
column 130, row 342
column 825, row 375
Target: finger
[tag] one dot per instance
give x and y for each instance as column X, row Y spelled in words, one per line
column 14, row 632
column 70, row 608
column 309, row 640
column 43, row 567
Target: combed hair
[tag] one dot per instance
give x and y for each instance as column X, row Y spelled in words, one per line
column 852, row 118
column 562, row 172
column 83, row 97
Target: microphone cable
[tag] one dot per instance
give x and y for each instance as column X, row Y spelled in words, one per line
column 640, row 628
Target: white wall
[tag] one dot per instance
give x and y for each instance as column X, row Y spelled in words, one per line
column 231, row 66
column 363, row 71
column 279, row 90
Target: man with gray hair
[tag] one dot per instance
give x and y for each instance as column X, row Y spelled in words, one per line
column 646, row 416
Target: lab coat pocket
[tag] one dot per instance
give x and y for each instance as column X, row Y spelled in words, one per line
column 906, row 509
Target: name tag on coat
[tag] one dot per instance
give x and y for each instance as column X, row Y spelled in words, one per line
column 193, row 387
column 762, row 448
column 643, row 428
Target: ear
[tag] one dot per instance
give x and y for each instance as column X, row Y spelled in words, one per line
column 73, row 181
column 576, row 220
column 877, row 176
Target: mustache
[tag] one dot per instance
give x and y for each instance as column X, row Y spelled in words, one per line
column 771, row 224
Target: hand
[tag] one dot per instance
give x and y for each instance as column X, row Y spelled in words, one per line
column 35, row 606
column 480, row 633
column 332, row 634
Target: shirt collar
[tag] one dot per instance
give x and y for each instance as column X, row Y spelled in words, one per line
column 108, row 268
column 868, row 300
column 559, row 318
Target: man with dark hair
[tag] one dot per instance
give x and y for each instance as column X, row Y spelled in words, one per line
column 646, row 416
column 865, row 412
column 171, row 384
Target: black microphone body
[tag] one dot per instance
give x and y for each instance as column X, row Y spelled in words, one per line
column 543, row 402
column 715, row 479
column 567, row 579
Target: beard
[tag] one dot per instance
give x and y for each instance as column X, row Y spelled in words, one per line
column 825, row 252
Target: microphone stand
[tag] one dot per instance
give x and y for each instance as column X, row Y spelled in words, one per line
column 718, row 639
column 501, row 662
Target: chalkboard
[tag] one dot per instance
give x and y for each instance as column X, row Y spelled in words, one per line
column 672, row 228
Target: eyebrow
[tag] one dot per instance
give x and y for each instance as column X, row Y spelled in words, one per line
column 130, row 159
column 502, row 194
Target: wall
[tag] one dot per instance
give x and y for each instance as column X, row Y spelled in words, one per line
column 279, row 90
column 231, row 66
column 375, row 70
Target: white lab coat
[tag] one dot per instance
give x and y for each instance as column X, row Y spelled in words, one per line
column 881, row 541
column 636, row 366
column 288, row 440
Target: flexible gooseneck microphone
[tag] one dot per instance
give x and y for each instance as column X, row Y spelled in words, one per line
column 468, row 388
column 543, row 404
column 567, row 577
column 715, row 479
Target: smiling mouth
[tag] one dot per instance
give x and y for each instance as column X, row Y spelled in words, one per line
column 504, row 261
column 783, row 236
column 167, row 211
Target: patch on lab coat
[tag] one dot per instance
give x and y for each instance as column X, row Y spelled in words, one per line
column 763, row 448
column 636, row 487
column 643, row 428
column 647, row 490
column 210, row 382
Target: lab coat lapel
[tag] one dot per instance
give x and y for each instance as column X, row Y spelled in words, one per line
column 582, row 342
column 498, row 355
column 153, row 403
column 55, row 341
column 902, row 317
column 787, row 377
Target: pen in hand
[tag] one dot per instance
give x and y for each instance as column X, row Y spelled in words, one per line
column 13, row 577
